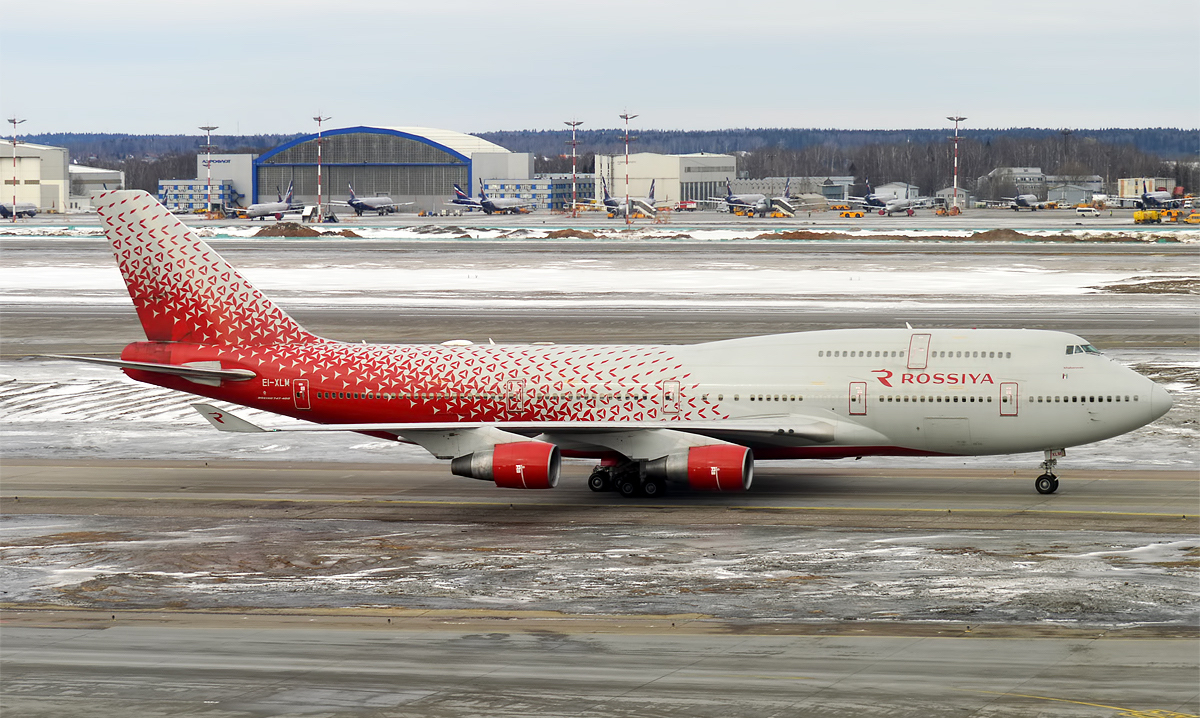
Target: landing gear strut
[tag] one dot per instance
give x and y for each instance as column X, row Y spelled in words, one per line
column 1047, row 483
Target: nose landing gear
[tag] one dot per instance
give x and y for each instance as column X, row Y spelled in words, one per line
column 1047, row 483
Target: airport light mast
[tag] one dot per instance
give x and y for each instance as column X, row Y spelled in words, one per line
column 208, row 148
column 955, row 120
column 573, row 124
column 319, row 119
column 627, row 117
column 15, row 142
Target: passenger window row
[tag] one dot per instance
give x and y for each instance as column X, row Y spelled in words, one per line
column 839, row 353
column 1083, row 399
column 936, row 399
column 970, row 355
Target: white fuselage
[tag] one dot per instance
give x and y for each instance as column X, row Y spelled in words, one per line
column 944, row 391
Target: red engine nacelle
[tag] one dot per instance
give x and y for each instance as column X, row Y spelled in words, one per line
column 707, row 468
column 519, row 465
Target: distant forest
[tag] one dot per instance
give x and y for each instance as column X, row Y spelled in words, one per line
column 923, row 157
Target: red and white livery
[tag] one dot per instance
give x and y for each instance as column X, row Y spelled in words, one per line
column 697, row 416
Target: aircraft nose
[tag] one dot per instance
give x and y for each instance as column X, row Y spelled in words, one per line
column 1160, row 401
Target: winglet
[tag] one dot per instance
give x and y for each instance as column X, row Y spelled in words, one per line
column 225, row 421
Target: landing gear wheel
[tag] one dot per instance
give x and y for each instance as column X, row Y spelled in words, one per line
column 653, row 488
column 1046, row 484
column 629, row 487
column 600, row 480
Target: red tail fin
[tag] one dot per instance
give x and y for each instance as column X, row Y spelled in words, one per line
column 182, row 289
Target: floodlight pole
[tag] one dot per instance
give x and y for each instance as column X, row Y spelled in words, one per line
column 956, row 120
column 15, row 142
column 627, row 117
column 208, row 147
column 573, row 124
column 320, row 214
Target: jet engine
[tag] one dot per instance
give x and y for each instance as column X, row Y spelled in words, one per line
column 519, row 465
column 721, row 467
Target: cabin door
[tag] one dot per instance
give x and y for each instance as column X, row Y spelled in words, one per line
column 918, row 351
column 300, row 393
column 1008, row 399
column 515, row 397
column 670, row 397
column 858, row 398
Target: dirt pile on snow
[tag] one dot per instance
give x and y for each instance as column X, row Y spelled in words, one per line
column 287, row 229
column 570, row 234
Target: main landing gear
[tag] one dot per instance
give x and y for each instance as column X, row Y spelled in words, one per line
column 1047, row 483
column 626, row 479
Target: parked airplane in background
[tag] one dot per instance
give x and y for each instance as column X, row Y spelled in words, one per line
column 695, row 415
column 616, row 207
column 1158, row 199
column 285, row 205
column 380, row 205
column 758, row 204
column 1025, row 201
column 889, row 204
column 503, row 205
column 24, row 209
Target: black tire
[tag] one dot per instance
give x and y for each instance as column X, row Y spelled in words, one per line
column 599, row 482
column 629, row 488
column 653, row 488
column 1046, row 484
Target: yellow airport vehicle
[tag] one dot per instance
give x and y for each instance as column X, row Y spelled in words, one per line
column 1172, row 215
column 852, row 214
column 1147, row 216
column 839, row 207
column 1193, row 218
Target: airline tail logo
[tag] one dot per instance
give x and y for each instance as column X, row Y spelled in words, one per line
column 459, row 194
column 651, row 197
column 728, row 188
column 290, row 193
column 352, row 197
column 184, row 291
column 787, row 187
column 604, row 186
column 482, row 195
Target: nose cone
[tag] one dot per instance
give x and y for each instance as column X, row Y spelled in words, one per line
column 1160, row 401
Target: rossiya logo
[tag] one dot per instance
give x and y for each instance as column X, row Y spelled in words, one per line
column 885, row 377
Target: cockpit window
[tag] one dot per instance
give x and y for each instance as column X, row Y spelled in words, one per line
column 1083, row 349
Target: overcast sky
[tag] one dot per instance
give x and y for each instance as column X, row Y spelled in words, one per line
column 252, row 67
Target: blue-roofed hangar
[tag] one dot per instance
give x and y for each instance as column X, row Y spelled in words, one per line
column 408, row 164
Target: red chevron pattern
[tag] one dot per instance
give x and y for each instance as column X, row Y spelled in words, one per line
column 196, row 308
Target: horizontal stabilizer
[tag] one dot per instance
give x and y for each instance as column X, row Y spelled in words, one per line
column 225, row 421
column 195, row 373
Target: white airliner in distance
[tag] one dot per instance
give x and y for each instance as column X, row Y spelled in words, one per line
column 1025, row 201
column 24, row 209
column 889, row 204
column 1158, row 199
column 379, row 204
column 697, row 415
column 758, row 204
column 285, row 205
column 489, row 205
column 616, row 206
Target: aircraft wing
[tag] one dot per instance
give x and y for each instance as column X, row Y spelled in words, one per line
column 443, row 439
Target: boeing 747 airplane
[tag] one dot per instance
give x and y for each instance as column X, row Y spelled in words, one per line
column 698, row 416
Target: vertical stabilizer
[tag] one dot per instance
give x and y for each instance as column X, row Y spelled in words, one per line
column 183, row 291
